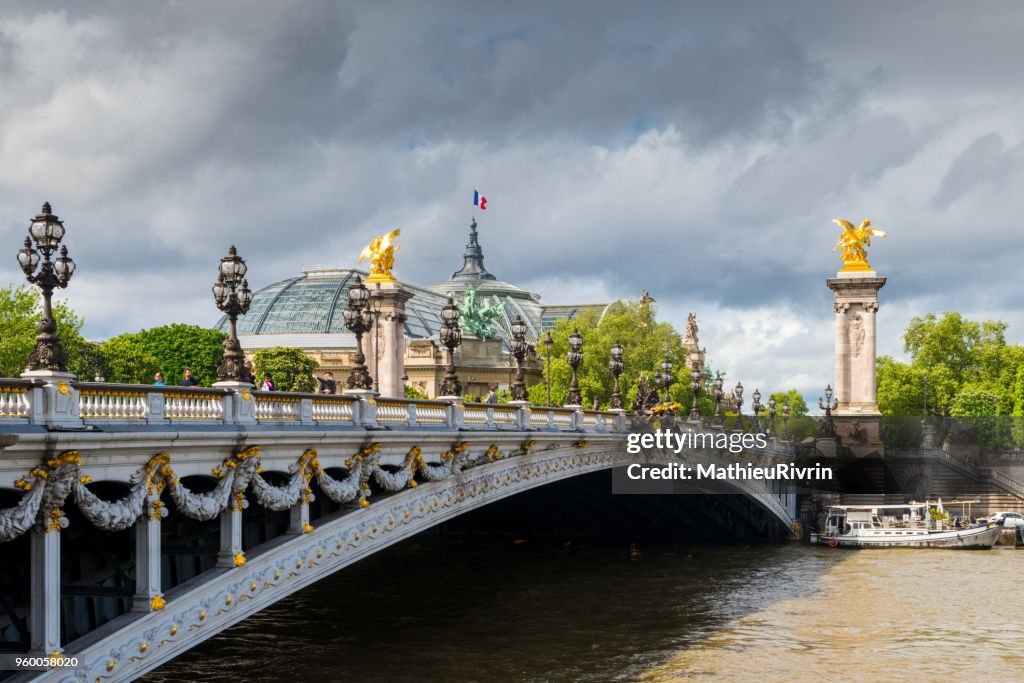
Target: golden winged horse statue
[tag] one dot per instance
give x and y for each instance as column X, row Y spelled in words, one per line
column 381, row 252
column 853, row 243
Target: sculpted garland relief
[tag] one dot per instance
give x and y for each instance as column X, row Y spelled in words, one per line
column 48, row 489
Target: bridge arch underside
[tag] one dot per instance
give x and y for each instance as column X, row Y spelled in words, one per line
column 585, row 507
column 563, row 491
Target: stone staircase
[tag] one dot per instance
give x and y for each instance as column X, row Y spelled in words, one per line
column 948, row 476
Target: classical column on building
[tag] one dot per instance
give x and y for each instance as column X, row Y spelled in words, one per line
column 44, row 598
column 387, row 338
column 148, row 595
column 856, row 304
column 856, row 285
column 231, row 553
column 856, row 417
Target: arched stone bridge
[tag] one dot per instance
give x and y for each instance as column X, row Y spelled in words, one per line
column 179, row 512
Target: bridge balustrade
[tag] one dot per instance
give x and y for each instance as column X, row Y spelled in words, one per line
column 15, row 399
column 77, row 404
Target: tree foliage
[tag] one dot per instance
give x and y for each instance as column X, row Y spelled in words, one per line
column 795, row 400
column 644, row 340
column 413, row 392
column 174, row 347
column 290, row 369
column 972, row 375
column 20, row 308
column 956, row 355
column 128, row 361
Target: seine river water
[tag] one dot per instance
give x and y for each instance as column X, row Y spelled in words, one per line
column 482, row 609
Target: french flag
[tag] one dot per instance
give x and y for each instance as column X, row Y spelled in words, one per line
column 479, row 200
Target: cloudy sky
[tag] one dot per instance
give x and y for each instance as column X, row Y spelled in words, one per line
column 695, row 149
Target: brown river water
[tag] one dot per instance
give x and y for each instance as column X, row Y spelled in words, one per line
column 467, row 608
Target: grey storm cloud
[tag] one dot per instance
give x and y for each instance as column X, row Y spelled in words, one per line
column 698, row 150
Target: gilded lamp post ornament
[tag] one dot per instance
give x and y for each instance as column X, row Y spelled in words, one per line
column 46, row 230
column 755, row 424
column 615, row 365
column 853, row 243
column 381, row 253
column 232, row 295
column 359, row 320
column 451, row 338
column 737, row 397
column 519, row 349
column 666, row 377
column 717, row 394
column 696, row 380
column 828, row 425
column 575, row 357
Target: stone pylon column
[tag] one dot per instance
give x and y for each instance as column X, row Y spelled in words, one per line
column 385, row 343
column 856, row 305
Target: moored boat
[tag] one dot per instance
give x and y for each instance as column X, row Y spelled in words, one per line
column 912, row 525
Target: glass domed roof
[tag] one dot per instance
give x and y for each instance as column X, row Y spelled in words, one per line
column 313, row 304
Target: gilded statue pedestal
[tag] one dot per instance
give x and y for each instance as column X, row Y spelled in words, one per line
column 856, row 286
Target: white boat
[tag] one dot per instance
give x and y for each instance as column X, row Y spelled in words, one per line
column 912, row 525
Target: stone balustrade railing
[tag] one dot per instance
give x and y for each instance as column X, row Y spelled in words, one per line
column 76, row 405
column 15, row 399
column 1003, row 481
column 79, row 404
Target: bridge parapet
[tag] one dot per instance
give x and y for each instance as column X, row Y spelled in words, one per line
column 51, row 405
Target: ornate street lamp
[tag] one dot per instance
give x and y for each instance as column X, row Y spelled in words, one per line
column 771, row 416
column 696, row 377
column 785, row 420
column 519, row 349
column 666, row 376
column 615, row 366
column 451, row 338
column 575, row 357
column 828, row 425
column 737, row 397
column 548, row 341
column 359, row 320
column 232, row 296
column 47, row 231
column 755, row 424
column 717, row 395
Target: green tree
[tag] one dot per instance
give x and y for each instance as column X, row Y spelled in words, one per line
column 797, row 404
column 290, row 369
column 799, row 425
column 20, row 308
column 976, row 406
column 966, row 348
column 644, row 340
column 969, row 368
column 175, row 347
column 413, row 392
column 128, row 361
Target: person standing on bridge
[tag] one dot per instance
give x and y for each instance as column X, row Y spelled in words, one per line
column 188, row 381
column 248, row 375
column 327, row 383
column 492, row 397
column 158, row 380
column 267, row 384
